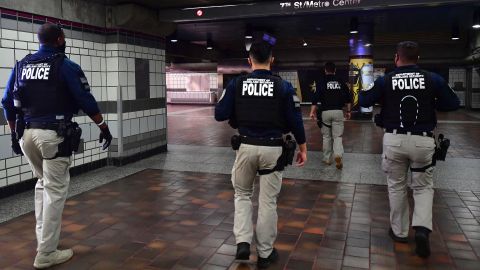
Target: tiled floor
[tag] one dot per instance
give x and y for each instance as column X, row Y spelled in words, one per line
column 195, row 125
column 158, row 219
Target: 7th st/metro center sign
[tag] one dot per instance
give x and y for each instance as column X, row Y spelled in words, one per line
column 319, row 4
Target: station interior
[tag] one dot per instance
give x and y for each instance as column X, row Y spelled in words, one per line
column 161, row 196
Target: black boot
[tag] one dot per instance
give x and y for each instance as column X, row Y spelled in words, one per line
column 397, row 238
column 263, row 263
column 422, row 241
column 243, row 251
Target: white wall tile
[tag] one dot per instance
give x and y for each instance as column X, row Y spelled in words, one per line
column 122, row 78
column 25, row 36
column 122, row 64
column 111, row 46
column 86, row 62
column 5, row 75
column 8, row 58
column 8, row 43
column 88, row 44
column 77, row 43
column 95, row 63
column 131, row 78
column 9, row 34
column 112, row 64
column 112, row 93
column 20, row 54
column 112, row 78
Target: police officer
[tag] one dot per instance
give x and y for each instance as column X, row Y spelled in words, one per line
column 263, row 107
column 48, row 88
column 333, row 94
column 409, row 97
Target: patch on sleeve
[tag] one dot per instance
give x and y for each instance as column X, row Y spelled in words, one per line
column 296, row 100
column 85, row 84
column 223, row 94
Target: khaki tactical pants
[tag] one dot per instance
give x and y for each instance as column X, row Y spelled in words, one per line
column 249, row 160
column 400, row 152
column 39, row 147
column 334, row 119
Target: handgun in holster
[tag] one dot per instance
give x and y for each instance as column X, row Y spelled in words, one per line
column 71, row 133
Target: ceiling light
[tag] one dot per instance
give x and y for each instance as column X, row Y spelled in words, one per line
column 455, row 31
column 368, row 45
column 174, row 37
column 305, row 44
column 209, row 42
column 476, row 19
column 248, row 32
column 354, row 25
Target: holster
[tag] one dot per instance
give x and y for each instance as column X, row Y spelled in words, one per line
column 235, row 141
column 71, row 133
column 319, row 115
column 441, row 148
column 19, row 126
column 285, row 159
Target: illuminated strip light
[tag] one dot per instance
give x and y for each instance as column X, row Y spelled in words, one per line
column 223, row 6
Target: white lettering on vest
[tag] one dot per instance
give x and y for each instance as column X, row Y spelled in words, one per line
column 39, row 71
column 333, row 85
column 408, row 81
column 257, row 87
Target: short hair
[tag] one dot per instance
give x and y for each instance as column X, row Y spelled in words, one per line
column 330, row 67
column 49, row 33
column 408, row 51
column 260, row 51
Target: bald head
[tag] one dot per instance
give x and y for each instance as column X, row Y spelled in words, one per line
column 51, row 34
column 408, row 51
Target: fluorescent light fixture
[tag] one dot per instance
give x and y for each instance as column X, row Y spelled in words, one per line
column 354, row 25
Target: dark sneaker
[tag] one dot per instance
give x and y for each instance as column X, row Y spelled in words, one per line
column 397, row 238
column 263, row 263
column 422, row 241
column 243, row 251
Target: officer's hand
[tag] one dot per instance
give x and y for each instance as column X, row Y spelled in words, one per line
column 301, row 159
column 16, row 145
column 313, row 115
column 105, row 134
column 348, row 115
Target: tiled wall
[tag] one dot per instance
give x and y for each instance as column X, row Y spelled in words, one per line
column 108, row 60
column 179, row 80
column 457, row 79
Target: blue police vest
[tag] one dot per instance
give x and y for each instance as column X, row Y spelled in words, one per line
column 332, row 93
column 40, row 88
column 409, row 99
column 258, row 102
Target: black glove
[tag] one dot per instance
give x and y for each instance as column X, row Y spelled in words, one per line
column 105, row 134
column 16, row 145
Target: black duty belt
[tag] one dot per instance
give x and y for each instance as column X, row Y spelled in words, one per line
column 261, row 142
column 42, row 125
column 399, row 131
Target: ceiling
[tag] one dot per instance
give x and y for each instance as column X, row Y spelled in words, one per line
column 428, row 26
column 163, row 4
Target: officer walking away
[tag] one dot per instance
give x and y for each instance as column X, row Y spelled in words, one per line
column 43, row 93
column 409, row 97
column 263, row 107
column 332, row 94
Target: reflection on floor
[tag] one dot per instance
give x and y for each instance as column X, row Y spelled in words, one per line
column 175, row 210
column 158, row 219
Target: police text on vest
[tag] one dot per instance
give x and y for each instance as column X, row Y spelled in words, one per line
column 408, row 81
column 39, row 71
column 257, row 87
column 333, row 85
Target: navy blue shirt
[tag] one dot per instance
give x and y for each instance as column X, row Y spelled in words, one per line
column 446, row 99
column 331, row 99
column 225, row 110
column 75, row 80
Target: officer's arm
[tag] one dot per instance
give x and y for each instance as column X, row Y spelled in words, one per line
column 370, row 97
column 347, row 96
column 446, row 99
column 315, row 99
column 7, row 101
column 294, row 114
column 226, row 104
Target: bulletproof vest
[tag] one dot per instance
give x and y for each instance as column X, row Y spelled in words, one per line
column 333, row 94
column 409, row 99
column 258, row 102
column 41, row 89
